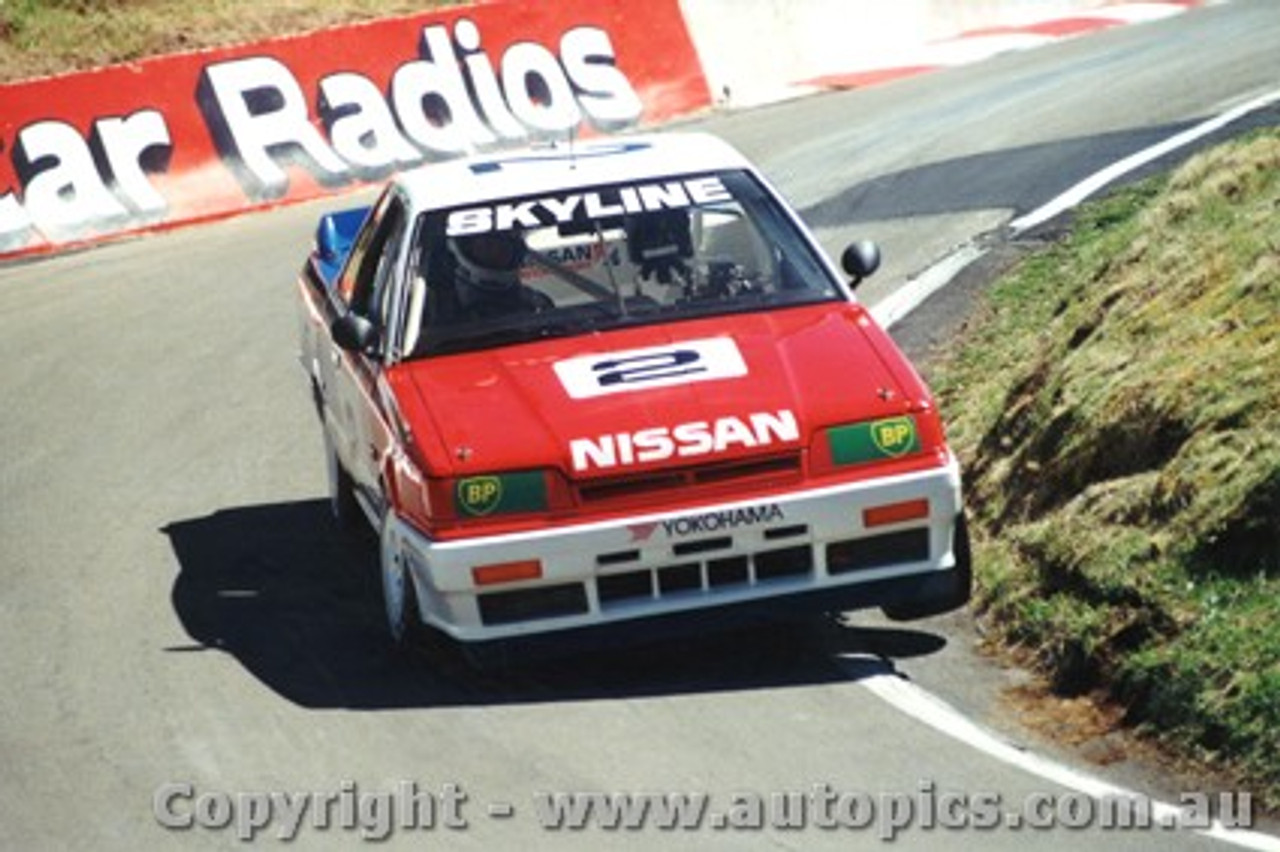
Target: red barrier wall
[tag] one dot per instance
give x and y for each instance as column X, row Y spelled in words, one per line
column 181, row 138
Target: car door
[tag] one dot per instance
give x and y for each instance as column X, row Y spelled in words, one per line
column 371, row 285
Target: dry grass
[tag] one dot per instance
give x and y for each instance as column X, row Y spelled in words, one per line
column 42, row 37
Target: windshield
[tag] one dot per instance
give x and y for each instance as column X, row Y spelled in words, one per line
column 605, row 257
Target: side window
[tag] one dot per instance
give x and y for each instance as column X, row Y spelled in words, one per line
column 371, row 270
column 351, row 273
column 382, row 296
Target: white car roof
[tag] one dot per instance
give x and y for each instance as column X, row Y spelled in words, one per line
column 561, row 166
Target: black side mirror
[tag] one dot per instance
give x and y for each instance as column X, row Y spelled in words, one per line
column 354, row 333
column 860, row 260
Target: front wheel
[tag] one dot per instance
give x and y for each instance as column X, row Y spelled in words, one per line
column 342, row 494
column 955, row 586
column 399, row 596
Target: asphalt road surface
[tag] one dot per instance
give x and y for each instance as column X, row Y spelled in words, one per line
column 182, row 631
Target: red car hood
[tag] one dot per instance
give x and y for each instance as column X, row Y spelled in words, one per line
column 655, row 396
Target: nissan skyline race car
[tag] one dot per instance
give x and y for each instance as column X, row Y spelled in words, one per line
column 617, row 387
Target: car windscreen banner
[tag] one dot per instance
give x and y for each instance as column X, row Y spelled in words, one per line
column 202, row 135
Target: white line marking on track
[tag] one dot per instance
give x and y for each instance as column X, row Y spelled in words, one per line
column 1098, row 180
column 942, row 717
column 901, row 302
column 911, row 295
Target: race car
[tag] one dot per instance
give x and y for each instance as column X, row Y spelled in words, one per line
column 615, row 388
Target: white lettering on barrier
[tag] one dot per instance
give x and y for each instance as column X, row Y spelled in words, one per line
column 65, row 189
column 538, row 91
column 257, row 112
column 447, row 102
column 488, row 94
column 15, row 224
column 125, row 143
column 605, row 93
column 431, row 100
column 362, row 128
column 72, row 185
column 438, row 107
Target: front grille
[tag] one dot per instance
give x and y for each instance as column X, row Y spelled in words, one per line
column 632, row 486
column 731, row 571
column 620, row 587
column 633, row 584
column 735, row 471
column 724, row 573
column 773, row 470
column 784, row 563
column 680, row 578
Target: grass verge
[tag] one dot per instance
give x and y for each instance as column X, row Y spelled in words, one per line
column 1116, row 404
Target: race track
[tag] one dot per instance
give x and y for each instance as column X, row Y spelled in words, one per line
column 177, row 608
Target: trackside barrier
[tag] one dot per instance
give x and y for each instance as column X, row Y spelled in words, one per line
column 755, row 51
column 178, row 139
column 194, row 136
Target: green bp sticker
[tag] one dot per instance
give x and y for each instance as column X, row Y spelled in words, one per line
column 873, row 440
column 477, row 496
column 896, row 436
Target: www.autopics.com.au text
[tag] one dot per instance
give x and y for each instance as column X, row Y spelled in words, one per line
column 375, row 815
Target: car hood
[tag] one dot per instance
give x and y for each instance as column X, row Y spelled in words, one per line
column 652, row 397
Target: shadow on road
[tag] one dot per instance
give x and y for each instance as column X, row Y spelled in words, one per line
column 1013, row 178
column 299, row 605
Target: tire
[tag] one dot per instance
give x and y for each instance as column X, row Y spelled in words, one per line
column 399, row 596
column 342, row 495
column 958, row 591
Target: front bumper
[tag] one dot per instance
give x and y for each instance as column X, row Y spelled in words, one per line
column 807, row 550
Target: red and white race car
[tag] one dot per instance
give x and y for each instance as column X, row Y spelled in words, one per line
column 617, row 386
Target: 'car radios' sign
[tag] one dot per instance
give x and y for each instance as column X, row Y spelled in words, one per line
column 206, row 134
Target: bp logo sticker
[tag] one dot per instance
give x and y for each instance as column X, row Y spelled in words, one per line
column 479, row 495
column 873, row 440
column 896, row 436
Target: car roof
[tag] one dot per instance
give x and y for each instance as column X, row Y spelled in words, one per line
column 564, row 166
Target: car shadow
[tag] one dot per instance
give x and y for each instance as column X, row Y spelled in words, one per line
column 297, row 602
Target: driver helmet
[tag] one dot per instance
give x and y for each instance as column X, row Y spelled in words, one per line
column 488, row 264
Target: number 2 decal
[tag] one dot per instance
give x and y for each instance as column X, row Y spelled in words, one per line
column 648, row 368
column 658, row 366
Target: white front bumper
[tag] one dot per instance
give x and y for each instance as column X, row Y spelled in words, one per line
column 662, row 563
